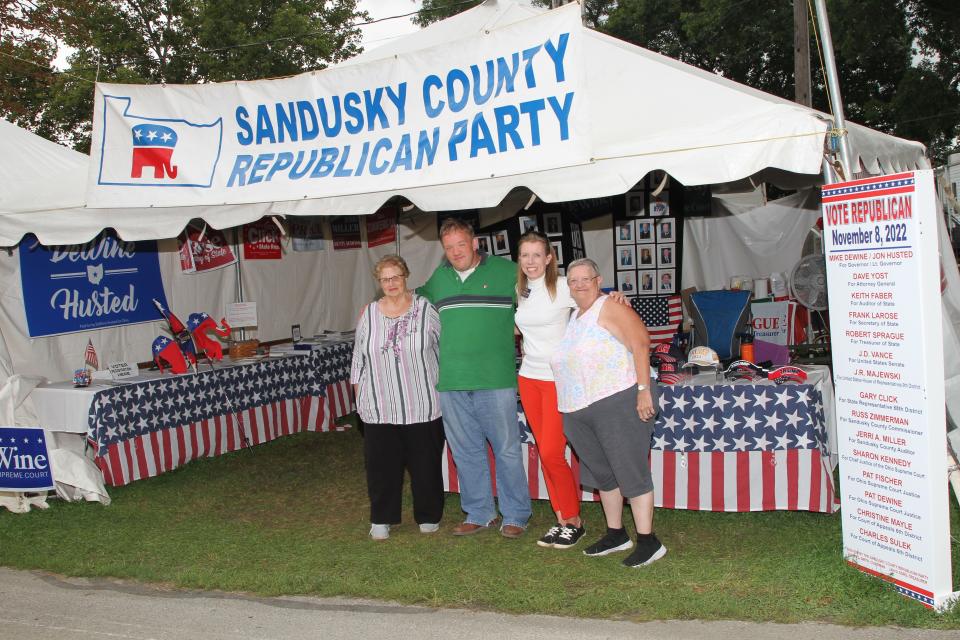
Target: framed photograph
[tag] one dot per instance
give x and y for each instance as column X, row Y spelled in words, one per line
column 645, row 256
column 552, row 224
column 666, row 280
column 634, row 201
column 626, row 257
column 627, row 282
column 647, row 282
column 561, row 272
column 558, row 249
column 527, row 223
column 624, row 232
column 667, row 230
column 483, row 244
column 667, row 255
column 644, row 231
column 658, row 206
column 501, row 242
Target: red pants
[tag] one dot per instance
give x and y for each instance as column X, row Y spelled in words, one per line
column 539, row 398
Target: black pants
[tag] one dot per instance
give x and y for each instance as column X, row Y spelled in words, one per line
column 391, row 448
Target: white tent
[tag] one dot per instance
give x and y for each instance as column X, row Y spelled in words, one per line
column 646, row 112
column 700, row 128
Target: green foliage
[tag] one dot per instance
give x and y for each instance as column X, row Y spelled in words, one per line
column 435, row 10
column 291, row 517
column 177, row 41
column 886, row 82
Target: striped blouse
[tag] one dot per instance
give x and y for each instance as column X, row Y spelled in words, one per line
column 395, row 364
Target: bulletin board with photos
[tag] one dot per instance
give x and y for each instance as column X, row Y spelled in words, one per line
column 647, row 238
column 564, row 232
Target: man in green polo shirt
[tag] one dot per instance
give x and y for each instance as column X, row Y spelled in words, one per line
column 475, row 296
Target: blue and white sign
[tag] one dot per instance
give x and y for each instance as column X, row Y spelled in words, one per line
column 24, row 461
column 104, row 283
column 507, row 101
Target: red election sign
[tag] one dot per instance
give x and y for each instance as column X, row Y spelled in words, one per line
column 206, row 253
column 382, row 227
column 261, row 240
column 346, row 233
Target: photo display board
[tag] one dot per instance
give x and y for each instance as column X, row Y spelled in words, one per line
column 880, row 241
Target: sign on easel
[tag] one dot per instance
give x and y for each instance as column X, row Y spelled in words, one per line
column 880, row 240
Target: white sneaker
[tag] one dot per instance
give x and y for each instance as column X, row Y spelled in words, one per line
column 429, row 527
column 379, row 531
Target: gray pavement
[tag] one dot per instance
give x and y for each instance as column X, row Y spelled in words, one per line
column 40, row 606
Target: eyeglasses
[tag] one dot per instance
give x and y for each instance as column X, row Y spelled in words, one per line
column 581, row 282
column 391, row 279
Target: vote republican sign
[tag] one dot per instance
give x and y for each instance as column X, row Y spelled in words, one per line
column 507, row 101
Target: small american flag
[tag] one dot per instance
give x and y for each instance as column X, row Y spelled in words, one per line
column 661, row 314
column 90, row 360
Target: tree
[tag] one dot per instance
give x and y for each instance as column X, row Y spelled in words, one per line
column 435, row 10
column 180, row 41
column 898, row 60
column 884, row 84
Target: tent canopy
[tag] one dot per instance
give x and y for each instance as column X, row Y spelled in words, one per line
column 641, row 112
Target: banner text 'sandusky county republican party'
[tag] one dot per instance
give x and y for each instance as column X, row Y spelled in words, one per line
column 500, row 103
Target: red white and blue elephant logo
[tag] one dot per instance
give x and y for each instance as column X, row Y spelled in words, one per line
column 153, row 146
column 199, row 324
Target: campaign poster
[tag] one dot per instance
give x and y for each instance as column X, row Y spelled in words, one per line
column 205, row 250
column 261, row 240
column 106, row 282
column 346, row 233
column 307, row 233
column 24, row 460
column 880, row 240
column 381, row 227
column 772, row 329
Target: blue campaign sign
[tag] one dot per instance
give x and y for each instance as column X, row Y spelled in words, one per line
column 24, row 461
column 104, row 283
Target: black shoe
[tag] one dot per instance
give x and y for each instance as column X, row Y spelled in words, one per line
column 569, row 535
column 550, row 536
column 615, row 540
column 648, row 551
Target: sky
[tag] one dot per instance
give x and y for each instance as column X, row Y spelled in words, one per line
column 381, row 33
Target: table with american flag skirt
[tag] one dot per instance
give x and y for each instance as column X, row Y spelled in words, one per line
column 144, row 429
column 728, row 446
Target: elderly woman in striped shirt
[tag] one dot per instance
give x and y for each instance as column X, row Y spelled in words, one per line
column 394, row 375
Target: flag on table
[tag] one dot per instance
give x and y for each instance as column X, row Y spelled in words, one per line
column 661, row 314
column 90, row 360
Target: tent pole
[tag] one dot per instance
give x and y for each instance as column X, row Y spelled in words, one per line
column 236, row 265
column 833, row 88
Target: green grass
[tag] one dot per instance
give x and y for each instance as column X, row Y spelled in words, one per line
column 290, row 517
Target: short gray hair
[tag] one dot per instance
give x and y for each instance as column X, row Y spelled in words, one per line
column 584, row 262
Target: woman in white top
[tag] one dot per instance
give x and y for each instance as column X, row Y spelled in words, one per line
column 543, row 310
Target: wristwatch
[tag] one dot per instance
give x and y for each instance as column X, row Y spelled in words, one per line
column 642, row 387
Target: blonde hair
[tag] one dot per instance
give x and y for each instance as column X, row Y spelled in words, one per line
column 550, row 272
column 391, row 261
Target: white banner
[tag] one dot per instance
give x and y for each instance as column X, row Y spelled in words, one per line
column 504, row 102
column 880, row 238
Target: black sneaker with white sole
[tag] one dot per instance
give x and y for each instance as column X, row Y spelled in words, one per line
column 614, row 540
column 569, row 535
column 648, row 551
column 550, row 536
